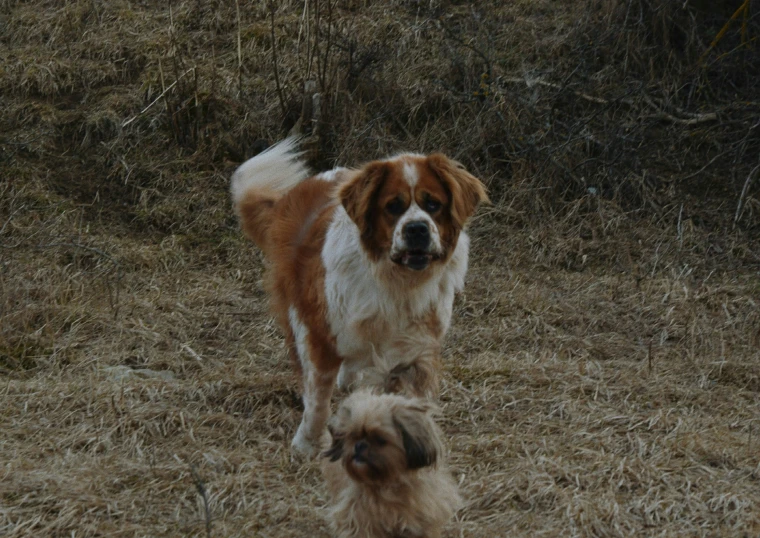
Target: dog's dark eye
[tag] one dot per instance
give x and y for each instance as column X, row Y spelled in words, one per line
column 395, row 206
column 380, row 441
column 431, row 206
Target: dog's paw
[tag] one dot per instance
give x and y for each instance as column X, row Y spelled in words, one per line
column 309, row 448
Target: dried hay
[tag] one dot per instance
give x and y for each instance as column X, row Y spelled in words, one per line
column 602, row 371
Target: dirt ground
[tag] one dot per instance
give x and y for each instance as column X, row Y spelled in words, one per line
column 602, row 372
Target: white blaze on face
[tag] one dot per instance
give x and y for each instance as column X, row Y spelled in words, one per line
column 411, row 175
column 412, row 214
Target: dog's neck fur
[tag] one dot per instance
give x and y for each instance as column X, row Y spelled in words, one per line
column 413, row 505
column 359, row 289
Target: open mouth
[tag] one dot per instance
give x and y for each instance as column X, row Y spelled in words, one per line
column 414, row 259
column 360, row 463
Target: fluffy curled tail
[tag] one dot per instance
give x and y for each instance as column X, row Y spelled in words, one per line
column 262, row 180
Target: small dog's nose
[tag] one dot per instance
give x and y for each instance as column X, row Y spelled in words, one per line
column 360, row 447
column 417, row 235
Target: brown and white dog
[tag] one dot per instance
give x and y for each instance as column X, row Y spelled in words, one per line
column 363, row 263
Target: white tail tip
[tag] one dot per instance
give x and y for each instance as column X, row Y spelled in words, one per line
column 279, row 168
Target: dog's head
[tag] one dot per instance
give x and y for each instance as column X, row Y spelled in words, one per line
column 411, row 208
column 379, row 437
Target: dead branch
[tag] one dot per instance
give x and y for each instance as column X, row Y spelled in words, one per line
column 274, row 63
column 201, row 487
column 743, row 9
column 745, row 189
column 530, row 82
column 693, row 119
column 239, row 51
column 162, row 94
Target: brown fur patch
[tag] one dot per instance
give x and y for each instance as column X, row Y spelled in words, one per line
column 255, row 211
column 359, row 198
column 466, row 190
column 296, row 276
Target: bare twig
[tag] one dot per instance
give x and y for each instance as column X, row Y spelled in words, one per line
column 326, row 61
column 530, row 82
column 190, row 351
column 163, row 93
column 740, row 205
column 744, row 8
column 693, row 120
column 201, row 487
column 322, row 56
column 330, row 81
column 313, row 49
column 274, row 63
column 239, row 51
column 679, row 227
column 705, row 167
column 690, row 121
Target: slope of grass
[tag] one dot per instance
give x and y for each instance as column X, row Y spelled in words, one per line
column 602, row 370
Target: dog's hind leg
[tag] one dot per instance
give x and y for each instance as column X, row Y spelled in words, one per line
column 312, row 435
column 319, row 366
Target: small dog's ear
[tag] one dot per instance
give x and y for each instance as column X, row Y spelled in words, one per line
column 335, row 452
column 419, row 435
column 466, row 191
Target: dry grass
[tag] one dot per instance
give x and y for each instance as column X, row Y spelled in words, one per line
column 602, row 372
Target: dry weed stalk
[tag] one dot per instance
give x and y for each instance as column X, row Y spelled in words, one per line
column 275, row 68
column 201, row 487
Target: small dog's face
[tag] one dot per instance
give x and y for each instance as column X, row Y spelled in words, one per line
column 379, row 437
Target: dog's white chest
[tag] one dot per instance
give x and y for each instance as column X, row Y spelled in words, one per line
column 368, row 317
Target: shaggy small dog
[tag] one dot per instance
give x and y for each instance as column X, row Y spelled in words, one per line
column 384, row 471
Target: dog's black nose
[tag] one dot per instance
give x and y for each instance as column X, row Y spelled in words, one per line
column 360, row 447
column 417, row 235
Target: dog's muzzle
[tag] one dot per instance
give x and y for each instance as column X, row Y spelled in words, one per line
column 360, row 452
column 417, row 239
column 417, row 235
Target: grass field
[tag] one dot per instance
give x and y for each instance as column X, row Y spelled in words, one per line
column 602, row 372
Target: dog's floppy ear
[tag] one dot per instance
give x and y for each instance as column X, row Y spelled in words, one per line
column 466, row 191
column 419, row 434
column 335, row 452
column 359, row 195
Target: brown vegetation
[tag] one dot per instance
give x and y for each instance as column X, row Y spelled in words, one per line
column 602, row 372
